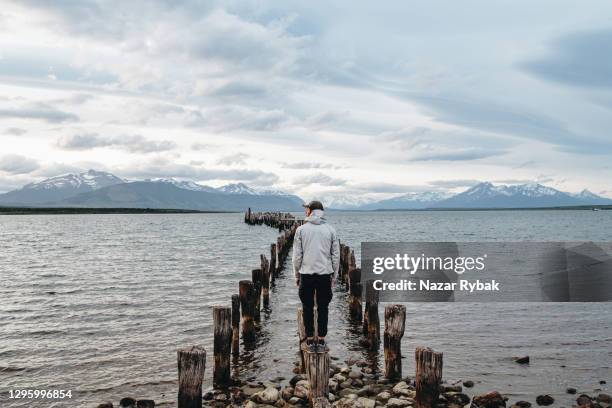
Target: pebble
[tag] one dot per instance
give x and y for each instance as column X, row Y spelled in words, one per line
column 570, row 390
column 544, row 400
column 468, row 383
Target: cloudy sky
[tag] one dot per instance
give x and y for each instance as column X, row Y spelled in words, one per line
column 324, row 99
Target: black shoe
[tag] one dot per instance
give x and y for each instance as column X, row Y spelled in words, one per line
column 311, row 346
column 321, row 346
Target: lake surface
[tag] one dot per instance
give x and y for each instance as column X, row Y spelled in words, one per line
column 98, row 304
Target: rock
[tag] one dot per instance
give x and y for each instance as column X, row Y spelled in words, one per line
column 296, row 378
column 208, row 396
column 570, row 390
column 339, row 378
column 250, row 404
column 604, row 398
column 583, row 399
column 544, row 400
column 106, row 405
column 468, row 383
column 145, row 403
column 491, row 399
column 602, row 382
column 364, row 403
column 331, row 397
column 523, row 404
column 333, row 385
column 127, row 402
column 457, row 398
column 348, row 392
column 522, row 360
column 383, row 396
column 355, row 375
column 287, row 393
column 397, row 403
column 295, row 401
column 268, row 396
column 400, row 386
column 346, row 384
column 249, row 390
column 358, row 383
column 452, row 388
column 301, row 389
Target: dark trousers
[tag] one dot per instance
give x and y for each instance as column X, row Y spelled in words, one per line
column 315, row 287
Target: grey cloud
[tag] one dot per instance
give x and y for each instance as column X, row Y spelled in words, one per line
column 16, row 164
column 386, row 188
column 319, row 178
column 131, row 143
column 232, row 159
column 40, row 112
column 464, row 154
column 161, row 167
column 579, row 59
column 309, row 165
column 15, row 131
column 238, row 117
column 454, row 183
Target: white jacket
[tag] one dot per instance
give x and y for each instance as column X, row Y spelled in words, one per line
column 316, row 248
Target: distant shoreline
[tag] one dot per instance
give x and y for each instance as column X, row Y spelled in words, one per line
column 83, row 210
column 573, row 207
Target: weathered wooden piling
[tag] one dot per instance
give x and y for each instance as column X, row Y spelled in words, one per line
column 265, row 280
column 235, row 324
column 355, row 292
column 395, row 323
column 351, row 266
column 371, row 321
column 191, row 366
column 302, row 339
column 273, row 261
column 256, row 278
column 428, row 377
column 247, row 306
column 222, row 323
column 317, row 371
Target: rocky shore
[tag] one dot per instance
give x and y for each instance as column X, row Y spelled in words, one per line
column 353, row 384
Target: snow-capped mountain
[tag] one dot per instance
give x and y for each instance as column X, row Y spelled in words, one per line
column 61, row 187
column 184, row 184
column 100, row 189
column 488, row 195
column 531, row 195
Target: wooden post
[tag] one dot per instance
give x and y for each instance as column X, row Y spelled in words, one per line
column 428, row 377
column 395, row 323
column 302, row 338
column 235, row 324
column 371, row 321
column 222, row 322
column 265, row 280
column 279, row 254
column 256, row 277
column 350, row 267
column 273, row 270
column 317, row 371
column 342, row 264
column 191, row 366
column 247, row 306
column 355, row 292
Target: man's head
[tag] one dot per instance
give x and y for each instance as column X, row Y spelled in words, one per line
column 313, row 205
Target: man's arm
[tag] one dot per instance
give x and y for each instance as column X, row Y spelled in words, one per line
column 297, row 253
column 335, row 253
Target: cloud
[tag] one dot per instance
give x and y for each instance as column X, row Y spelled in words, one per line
column 235, row 117
column 39, row 112
column 163, row 167
column 453, row 183
column 582, row 59
column 425, row 144
column 309, row 165
column 320, row 179
column 130, row 143
column 15, row 131
column 232, row 159
column 16, row 164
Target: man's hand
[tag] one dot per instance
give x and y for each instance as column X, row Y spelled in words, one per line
column 297, row 281
column 333, row 282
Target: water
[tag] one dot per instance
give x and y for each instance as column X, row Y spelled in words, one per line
column 98, row 304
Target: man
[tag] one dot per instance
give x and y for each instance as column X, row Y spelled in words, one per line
column 316, row 259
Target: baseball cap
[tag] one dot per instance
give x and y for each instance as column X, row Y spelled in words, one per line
column 314, row 205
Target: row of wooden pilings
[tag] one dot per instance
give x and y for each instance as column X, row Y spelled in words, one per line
column 238, row 320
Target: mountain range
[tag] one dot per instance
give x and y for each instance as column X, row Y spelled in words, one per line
column 104, row 190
